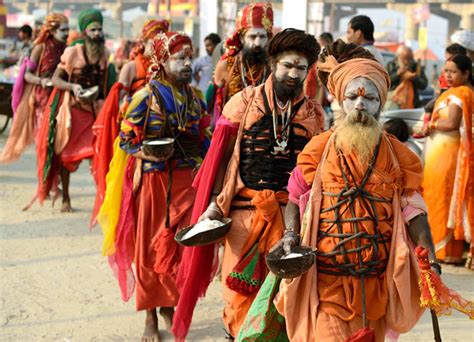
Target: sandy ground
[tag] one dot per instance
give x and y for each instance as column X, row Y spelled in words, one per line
column 55, row 285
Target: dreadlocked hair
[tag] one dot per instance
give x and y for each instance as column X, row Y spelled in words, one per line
column 342, row 51
column 294, row 40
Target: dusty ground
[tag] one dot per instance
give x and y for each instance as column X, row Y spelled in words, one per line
column 55, row 285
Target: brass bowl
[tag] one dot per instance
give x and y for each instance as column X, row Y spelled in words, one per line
column 158, row 147
column 292, row 267
column 204, row 238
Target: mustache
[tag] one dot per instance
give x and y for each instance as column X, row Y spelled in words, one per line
column 98, row 40
column 361, row 117
column 254, row 55
column 288, row 79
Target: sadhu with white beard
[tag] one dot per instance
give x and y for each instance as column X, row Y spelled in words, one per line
column 358, row 188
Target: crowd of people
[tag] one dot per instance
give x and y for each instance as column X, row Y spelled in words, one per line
column 252, row 142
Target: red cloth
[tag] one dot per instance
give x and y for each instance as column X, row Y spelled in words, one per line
column 157, row 289
column 52, row 179
column 435, row 295
column 362, row 335
column 105, row 129
column 199, row 264
column 79, row 145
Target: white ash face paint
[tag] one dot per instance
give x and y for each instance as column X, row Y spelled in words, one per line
column 291, row 68
column 62, row 32
column 255, row 37
column 179, row 65
column 94, row 31
column 361, row 94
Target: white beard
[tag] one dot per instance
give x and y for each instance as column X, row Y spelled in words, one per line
column 358, row 133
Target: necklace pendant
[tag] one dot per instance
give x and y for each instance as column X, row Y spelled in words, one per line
column 181, row 128
column 283, row 144
column 278, row 149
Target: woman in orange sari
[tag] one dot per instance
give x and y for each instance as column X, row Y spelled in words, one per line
column 448, row 184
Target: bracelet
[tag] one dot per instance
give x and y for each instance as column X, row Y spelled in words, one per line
column 436, row 265
column 291, row 231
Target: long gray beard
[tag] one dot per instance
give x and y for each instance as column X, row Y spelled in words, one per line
column 95, row 47
column 353, row 136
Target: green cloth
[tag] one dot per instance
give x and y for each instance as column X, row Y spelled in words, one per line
column 88, row 17
column 111, row 76
column 263, row 322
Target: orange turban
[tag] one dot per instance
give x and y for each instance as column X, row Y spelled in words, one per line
column 258, row 15
column 341, row 74
column 152, row 27
column 51, row 23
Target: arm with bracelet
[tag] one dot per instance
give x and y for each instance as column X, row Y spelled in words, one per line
column 291, row 234
column 32, row 76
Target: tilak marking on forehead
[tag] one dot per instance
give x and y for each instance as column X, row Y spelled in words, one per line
column 361, row 91
column 293, row 58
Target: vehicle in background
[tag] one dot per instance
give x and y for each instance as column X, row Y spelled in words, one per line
column 414, row 120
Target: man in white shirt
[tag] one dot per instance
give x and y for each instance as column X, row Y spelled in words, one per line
column 202, row 67
column 360, row 31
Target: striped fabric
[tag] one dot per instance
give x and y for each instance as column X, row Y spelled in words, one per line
column 197, row 121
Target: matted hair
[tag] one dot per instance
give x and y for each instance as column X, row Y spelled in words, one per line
column 342, row 52
column 294, row 40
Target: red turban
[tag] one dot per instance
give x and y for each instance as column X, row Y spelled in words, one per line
column 51, row 23
column 167, row 44
column 258, row 15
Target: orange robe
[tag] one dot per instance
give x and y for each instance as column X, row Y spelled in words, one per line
column 448, row 182
column 268, row 210
column 323, row 307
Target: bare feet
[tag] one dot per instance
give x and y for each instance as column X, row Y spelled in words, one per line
column 151, row 334
column 66, row 206
column 167, row 314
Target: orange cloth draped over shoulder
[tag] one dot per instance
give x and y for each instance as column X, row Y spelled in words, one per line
column 448, row 183
column 317, row 302
column 141, row 70
column 267, row 214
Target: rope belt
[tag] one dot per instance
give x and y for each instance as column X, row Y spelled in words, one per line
column 351, row 192
column 348, row 196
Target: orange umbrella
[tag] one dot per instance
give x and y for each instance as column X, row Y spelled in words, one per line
column 425, row 54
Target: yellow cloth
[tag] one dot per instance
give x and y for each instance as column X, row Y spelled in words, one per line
column 109, row 212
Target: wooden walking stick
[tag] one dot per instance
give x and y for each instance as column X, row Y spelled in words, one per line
column 434, row 320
